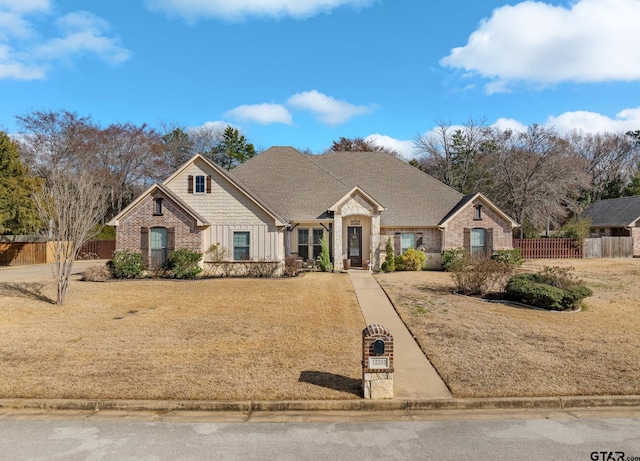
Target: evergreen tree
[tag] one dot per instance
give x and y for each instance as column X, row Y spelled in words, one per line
column 17, row 210
column 232, row 150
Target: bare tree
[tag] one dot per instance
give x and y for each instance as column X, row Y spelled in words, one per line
column 455, row 155
column 205, row 138
column 72, row 204
column 611, row 161
column 536, row 178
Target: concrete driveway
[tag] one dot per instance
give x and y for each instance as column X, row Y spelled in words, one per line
column 12, row 274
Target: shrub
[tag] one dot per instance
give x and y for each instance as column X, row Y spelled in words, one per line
column 389, row 264
column 263, row 268
column 411, row 260
column 291, row 266
column 452, row 257
column 574, row 228
column 127, row 264
column 183, row 264
column 512, row 257
column 98, row 273
column 216, row 256
column 476, row 275
column 325, row 261
column 551, row 288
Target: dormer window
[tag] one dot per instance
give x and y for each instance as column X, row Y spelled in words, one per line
column 157, row 207
column 478, row 213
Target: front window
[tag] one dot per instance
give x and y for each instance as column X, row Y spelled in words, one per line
column 200, row 184
column 241, row 245
column 478, row 241
column 407, row 241
column 303, row 243
column 317, row 248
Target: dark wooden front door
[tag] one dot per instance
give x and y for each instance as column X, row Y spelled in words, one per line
column 354, row 237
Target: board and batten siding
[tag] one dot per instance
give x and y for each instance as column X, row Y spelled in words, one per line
column 228, row 210
column 266, row 241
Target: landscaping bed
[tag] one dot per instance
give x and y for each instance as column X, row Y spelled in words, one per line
column 214, row 339
column 484, row 349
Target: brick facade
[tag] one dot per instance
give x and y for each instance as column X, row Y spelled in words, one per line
column 187, row 233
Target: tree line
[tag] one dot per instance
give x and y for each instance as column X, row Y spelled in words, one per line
column 538, row 177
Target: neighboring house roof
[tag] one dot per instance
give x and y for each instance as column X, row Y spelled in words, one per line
column 200, row 221
column 615, row 212
column 470, row 198
column 305, row 186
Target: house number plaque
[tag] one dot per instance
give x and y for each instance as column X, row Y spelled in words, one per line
column 378, row 363
column 355, row 222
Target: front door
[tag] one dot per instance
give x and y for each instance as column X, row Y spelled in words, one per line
column 355, row 245
column 158, row 255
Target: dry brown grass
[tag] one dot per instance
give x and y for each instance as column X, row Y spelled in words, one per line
column 486, row 349
column 221, row 339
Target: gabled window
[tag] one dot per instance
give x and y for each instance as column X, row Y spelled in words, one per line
column 157, row 207
column 478, row 213
column 199, row 184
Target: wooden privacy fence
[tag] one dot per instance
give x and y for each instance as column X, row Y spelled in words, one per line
column 97, row 249
column 550, row 248
column 558, row 248
column 27, row 253
column 608, row 247
column 22, row 253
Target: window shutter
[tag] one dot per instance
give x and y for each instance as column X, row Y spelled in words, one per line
column 489, row 241
column 467, row 239
column 418, row 239
column 171, row 239
column 397, row 243
column 190, row 184
column 208, row 184
column 144, row 246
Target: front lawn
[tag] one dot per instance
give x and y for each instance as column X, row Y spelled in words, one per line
column 215, row 339
column 486, row 349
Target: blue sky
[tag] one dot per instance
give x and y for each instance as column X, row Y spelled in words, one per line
column 305, row 72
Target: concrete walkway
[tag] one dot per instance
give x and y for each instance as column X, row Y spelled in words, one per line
column 414, row 377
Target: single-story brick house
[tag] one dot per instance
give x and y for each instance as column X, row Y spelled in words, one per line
column 616, row 217
column 282, row 202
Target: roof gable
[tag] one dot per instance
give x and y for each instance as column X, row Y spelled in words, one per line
column 200, row 221
column 468, row 199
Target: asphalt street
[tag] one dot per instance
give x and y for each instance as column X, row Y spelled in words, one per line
column 537, row 439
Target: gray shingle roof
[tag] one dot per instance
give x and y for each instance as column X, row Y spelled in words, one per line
column 298, row 186
column 615, row 212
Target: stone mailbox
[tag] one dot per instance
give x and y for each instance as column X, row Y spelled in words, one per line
column 377, row 362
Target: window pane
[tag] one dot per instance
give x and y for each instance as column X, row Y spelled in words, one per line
column 317, row 236
column 200, row 184
column 408, row 241
column 303, row 236
column 241, row 244
column 303, row 251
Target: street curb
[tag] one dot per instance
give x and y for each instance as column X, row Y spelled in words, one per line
column 249, row 406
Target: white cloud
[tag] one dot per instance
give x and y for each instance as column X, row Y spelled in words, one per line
column 264, row 114
column 404, row 148
column 534, row 42
column 25, row 55
column 592, row 122
column 509, row 124
column 329, row 110
column 237, row 10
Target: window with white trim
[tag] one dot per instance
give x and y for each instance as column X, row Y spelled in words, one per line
column 241, row 246
column 199, row 184
column 407, row 241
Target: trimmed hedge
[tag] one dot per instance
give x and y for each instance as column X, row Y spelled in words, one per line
column 183, row 264
column 410, row 260
column 127, row 264
column 535, row 289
